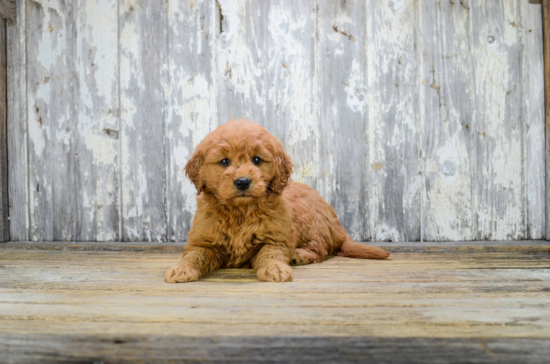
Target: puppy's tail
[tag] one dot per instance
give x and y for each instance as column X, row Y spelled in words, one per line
column 354, row 249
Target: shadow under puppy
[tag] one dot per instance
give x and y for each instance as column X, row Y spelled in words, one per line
column 250, row 214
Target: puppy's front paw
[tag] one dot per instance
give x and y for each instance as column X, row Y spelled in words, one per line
column 182, row 273
column 275, row 272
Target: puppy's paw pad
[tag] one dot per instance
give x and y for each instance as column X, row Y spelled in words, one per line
column 181, row 273
column 275, row 272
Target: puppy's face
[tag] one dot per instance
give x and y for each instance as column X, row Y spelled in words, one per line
column 239, row 163
column 238, row 173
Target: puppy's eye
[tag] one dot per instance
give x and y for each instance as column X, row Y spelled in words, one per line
column 256, row 161
column 225, row 162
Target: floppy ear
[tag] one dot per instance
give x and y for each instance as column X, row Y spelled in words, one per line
column 284, row 170
column 193, row 168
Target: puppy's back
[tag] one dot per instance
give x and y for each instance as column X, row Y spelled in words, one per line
column 313, row 218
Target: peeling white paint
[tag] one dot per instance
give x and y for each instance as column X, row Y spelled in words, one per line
column 102, row 147
column 238, row 61
column 499, row 198
column 393, row 121
column 355, row 89
column 465, row 161
column 290, row 64
column 36, row 132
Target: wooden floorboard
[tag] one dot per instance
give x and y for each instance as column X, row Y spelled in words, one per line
column 469, row 305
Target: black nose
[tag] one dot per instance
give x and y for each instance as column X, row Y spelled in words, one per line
column 242, row 183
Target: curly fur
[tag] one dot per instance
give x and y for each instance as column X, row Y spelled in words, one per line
column 274, row 222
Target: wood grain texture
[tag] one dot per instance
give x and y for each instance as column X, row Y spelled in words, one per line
column 191, row 101
column 95, row 117
column 266, row 72
column 342, row 93
column 114, row 306
column 73, row 129
column 4, row 199
column 291, row 109
column 168, row 349
column 533, row 119
column 17, row 128
column 498, row 128
column 8, row 10
column 415, row 121
column 393, row 130
column 143, row 49
column 447, row 111
column 52, row 159
column 241, row 60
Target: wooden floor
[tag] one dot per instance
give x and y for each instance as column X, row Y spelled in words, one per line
column 80, row 303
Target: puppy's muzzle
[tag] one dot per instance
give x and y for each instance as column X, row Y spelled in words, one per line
column 242, row 183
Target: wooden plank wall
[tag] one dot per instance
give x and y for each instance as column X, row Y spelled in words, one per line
column 416, row 119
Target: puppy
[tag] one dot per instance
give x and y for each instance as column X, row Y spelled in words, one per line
column 250, row 214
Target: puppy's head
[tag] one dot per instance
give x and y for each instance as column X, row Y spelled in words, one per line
column 239, row 163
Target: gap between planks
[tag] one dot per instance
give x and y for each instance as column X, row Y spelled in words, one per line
column 526, row 246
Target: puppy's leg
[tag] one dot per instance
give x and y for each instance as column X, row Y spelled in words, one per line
column 311, row 252
column 271, row 264
column 196, row 261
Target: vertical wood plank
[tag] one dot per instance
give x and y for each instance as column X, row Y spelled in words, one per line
column 50, row 44
column 447, row 115
column 192, row 94
column 17, row 128
column 95, row 117
column 533, row 118
column 342, row 103
column 266, row 72
column 72, row 120
column 241, row 65
column 499, row 197
column 546, row 54
column 142, row 116
column 392, row 95
column 290, row 81
column 4, row 203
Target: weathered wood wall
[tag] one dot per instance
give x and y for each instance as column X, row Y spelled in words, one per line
column 416, row 119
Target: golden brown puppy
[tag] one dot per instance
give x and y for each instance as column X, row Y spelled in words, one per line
column 250, row 214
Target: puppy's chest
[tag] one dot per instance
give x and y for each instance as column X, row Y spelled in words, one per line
column 241, row 241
